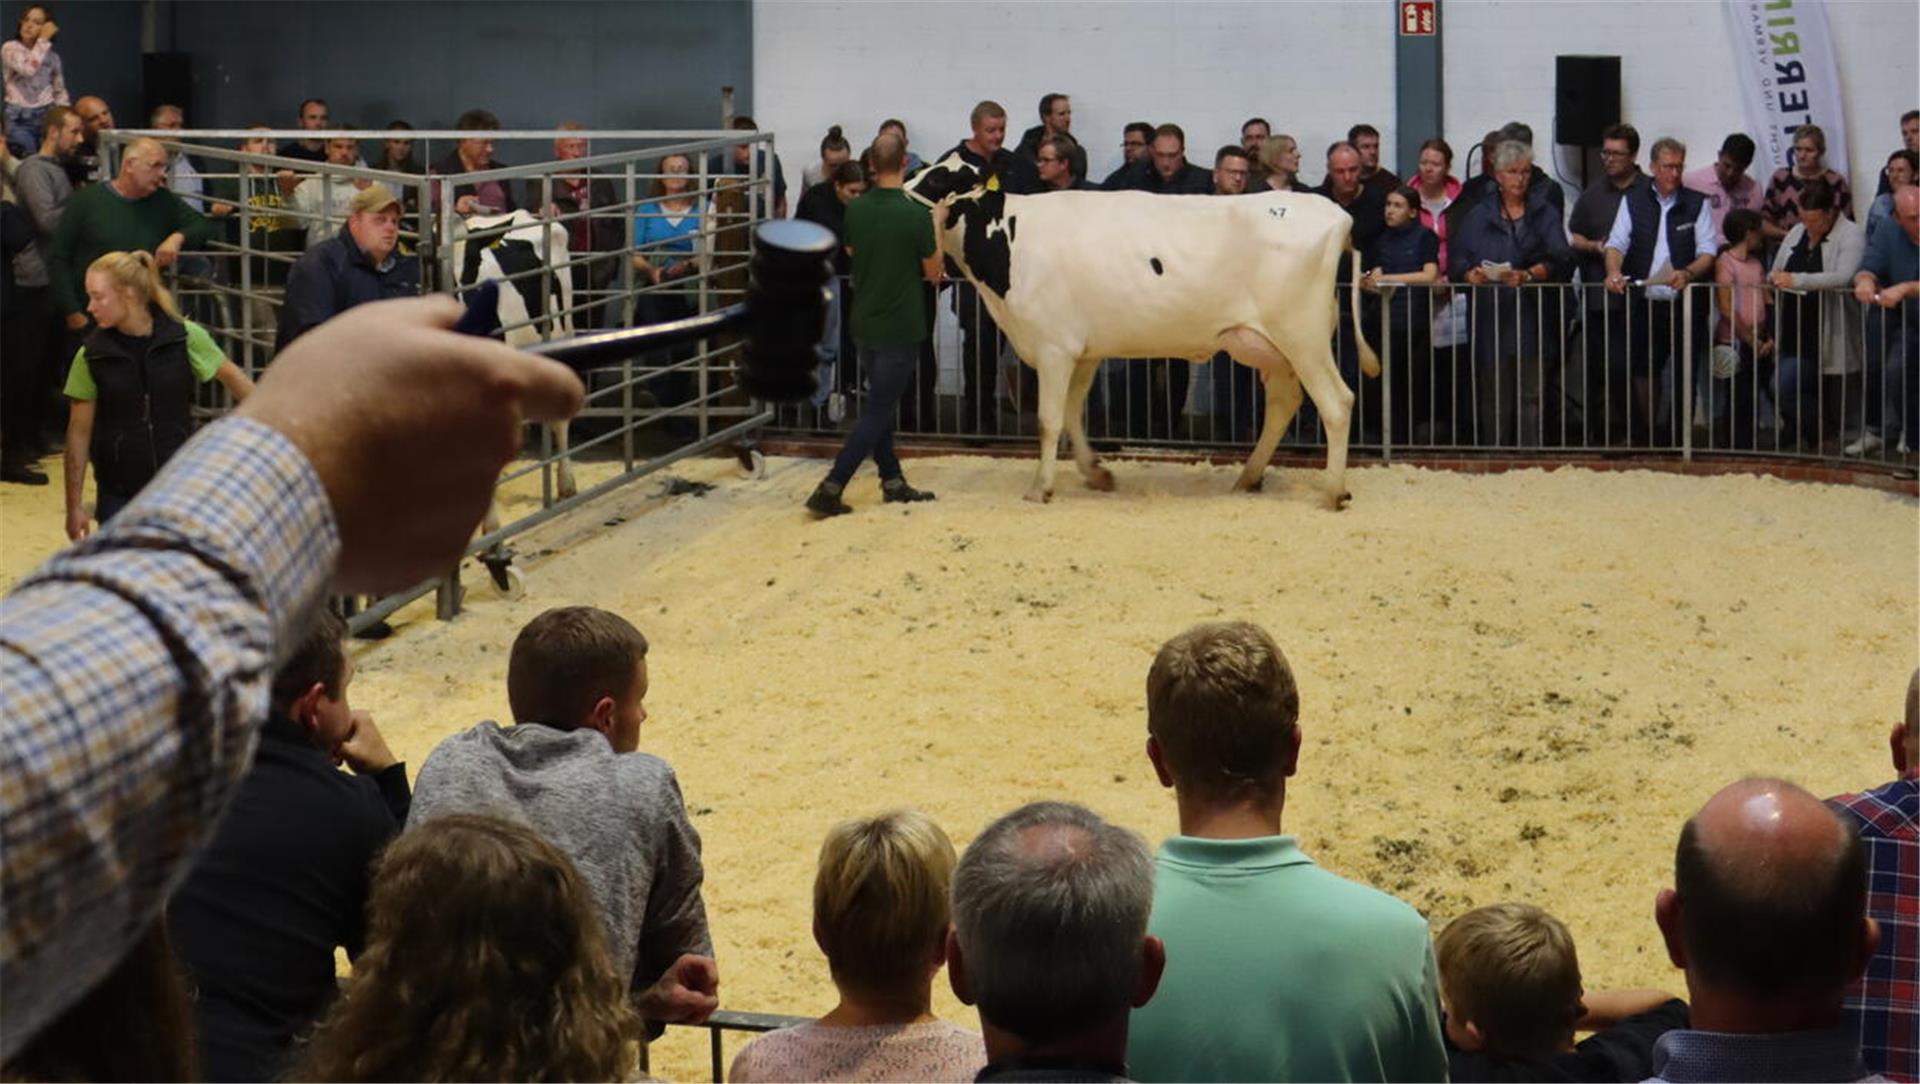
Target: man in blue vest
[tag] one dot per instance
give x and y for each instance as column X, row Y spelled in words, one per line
column 1661, row 242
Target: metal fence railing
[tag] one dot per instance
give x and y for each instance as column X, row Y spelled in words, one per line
column 651, row 411
column 1540, row 369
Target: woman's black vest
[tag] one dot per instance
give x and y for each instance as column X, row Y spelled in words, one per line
column 143, row 411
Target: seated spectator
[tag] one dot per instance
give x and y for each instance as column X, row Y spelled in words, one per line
column 1366, row 141
column 1511, row 999
column 472, row 155
column 1902, row 170
column 1725, row 183
column 133, row 213
column 135, row 1024
column 1056, row 119
column 1780, row 211
column 322, row 200
column 1407, row 265
column 1890, row 279
column 1050, row 942
column 1063, row 166
column 1136, row 142
column 1231, row 165
column 1437, row 188
column 591, row 238
column 834, row 150
column 35, row 81
column 1658, row 245
column 1164, row 169
column 314, row 117
column 361, row 263
column 570, row 766
column 1742, row 333
column 257, row 921
column 396, row 151
column 880, row 914
column 1768, row 917
column 1280, row 165
column 1909, row 141
column 131, row 387
column 200, row 581
column 899, row 130
column 485, row 960
column 1276, row 969
column 1819, row 331
column 1885, row 1003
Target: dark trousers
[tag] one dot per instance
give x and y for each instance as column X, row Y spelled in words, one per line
column 1648, row 342
column 24, row 330
column 675, row 388
column 1736, row 404
column 980, row 343
column 889, row 370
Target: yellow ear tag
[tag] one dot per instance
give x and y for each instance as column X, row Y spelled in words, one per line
column 993, row 183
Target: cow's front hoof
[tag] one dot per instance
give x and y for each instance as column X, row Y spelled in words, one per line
column 1338, row 501
column 1039, row 496
column 566, row 490
column 1100, row 478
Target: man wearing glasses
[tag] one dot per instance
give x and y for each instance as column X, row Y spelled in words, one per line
column 1135, row 144
column 1587, row 228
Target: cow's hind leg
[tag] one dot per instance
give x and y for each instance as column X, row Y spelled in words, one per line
column 1283, row 401
column 1257, row 352
column 1054, row 374
column 1331, row 396
column 1097, row 476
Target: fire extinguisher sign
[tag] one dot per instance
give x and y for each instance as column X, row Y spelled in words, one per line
column 1416, row 18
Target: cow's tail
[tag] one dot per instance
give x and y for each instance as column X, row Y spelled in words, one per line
column 1369, row 364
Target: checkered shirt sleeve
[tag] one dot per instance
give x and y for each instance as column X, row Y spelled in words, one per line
column 134, row 669
column 1886, row 1002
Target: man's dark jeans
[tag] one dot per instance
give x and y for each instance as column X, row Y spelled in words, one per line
column 889, row 371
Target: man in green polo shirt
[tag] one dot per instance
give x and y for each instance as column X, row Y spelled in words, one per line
column 1276, row 968
column 891, row 239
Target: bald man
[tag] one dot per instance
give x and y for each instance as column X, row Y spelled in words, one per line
column 132, row 211
column 1884, row 1006
column 1768, row 917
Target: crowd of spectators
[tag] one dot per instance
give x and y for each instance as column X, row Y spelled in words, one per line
column 137, row 668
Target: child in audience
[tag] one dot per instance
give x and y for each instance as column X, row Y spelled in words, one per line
column 570, row 767
column 1511, row 1001
column 1740, row 298
column 880, row 913
column 485, row 961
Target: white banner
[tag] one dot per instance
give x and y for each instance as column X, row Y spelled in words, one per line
column 1783, row 59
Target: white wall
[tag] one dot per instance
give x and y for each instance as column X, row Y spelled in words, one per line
column 1311, row 67
column 1677, row 72
column 1204, row 66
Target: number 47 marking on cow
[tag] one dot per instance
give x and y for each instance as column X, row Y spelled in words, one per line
column 1277, row 212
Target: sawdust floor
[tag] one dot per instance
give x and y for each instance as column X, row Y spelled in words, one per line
column 1514, row 687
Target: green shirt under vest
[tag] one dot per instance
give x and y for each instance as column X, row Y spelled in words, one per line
column 1279, row 970
column 99, row 220
column 890, row 234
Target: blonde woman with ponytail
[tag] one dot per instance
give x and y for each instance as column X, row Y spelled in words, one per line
column 131, row 389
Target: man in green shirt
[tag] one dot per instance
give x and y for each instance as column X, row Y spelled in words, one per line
column 131, row 212
column 891, row 240
column 1276, row 968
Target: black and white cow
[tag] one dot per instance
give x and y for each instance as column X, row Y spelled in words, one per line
column 1074, row 277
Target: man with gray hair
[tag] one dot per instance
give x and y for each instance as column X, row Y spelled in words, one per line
column 1276, row 969
column 1050, row 942
column 132, row 212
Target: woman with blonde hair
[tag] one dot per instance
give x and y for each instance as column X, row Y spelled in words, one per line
column 485, row 960
column 880, row 914
column 1280, row 160
column 131, row 387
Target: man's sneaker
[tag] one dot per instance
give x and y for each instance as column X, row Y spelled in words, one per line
column 1868, row 444
column 825, row 501
column 897, row 491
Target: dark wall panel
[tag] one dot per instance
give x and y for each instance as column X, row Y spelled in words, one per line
column 609, row 65
column 99, row 47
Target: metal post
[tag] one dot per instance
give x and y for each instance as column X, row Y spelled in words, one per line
column 1386, row 374
column 1686, row 374
column 446, row 596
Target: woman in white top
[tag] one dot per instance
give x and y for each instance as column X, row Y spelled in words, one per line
column 880, row 913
